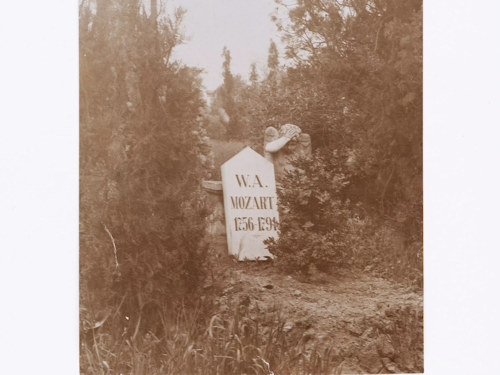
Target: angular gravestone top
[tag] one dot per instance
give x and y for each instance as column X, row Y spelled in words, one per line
column 250, row 204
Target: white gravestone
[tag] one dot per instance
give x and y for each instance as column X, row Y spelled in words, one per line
column 250, row 204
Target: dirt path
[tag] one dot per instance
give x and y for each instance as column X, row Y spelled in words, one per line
column 375, row 325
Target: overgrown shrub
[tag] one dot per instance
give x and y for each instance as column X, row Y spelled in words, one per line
column 321, row 228
column 314, row 226
column 141, row 162
column 383, row 247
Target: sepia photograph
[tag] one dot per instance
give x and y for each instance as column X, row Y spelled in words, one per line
column 251, row 191
column 249, row 187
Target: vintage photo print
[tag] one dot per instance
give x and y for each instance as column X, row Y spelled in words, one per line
column 251, row 187
column 237, row 187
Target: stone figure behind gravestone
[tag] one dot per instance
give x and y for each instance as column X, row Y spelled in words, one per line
column 280, row 147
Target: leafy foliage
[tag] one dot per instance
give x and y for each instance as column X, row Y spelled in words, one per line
column 314, row 231
column 355, row 86
column 141, row 162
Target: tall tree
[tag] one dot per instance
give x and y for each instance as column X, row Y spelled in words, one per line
column 154, row 10
column 139, row 165
column 227, row 96
column 253, row 76
column 358, row 66
column 272, row 63
column 226, row 71
column 355, row 84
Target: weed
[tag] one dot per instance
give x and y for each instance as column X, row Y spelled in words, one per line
column 192, row 342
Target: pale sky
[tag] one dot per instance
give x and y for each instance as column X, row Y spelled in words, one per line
column 244, row 26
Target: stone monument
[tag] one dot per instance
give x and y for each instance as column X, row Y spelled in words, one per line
column 250, row 204
column 281, row 146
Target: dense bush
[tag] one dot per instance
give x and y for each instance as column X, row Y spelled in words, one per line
column 141, row 209
column 314, row 227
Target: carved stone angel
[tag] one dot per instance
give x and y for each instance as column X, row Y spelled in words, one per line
column 283, row 145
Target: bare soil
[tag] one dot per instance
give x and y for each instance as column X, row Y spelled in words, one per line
column 373, row 325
